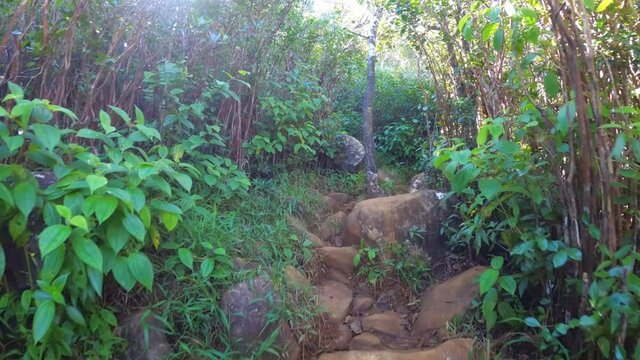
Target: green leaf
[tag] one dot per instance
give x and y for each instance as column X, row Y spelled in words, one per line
column 498, row 40
column 184, row 180
column 79, row 221
column 487, row 279
column 141, row 269
column 3, row 261
column 24, row 195
column 532, row 322
column 508, row 284
column 590, row 4
column 121, row 113
column 104, row 206
column 118, row 235
column 560, row 258
column 497, row 262
column 134, row 226
column 169, row 220
column 5, row 196
column 186, row 257
column 48, row 135
column 489, row 187
column 122, row 274
column 587, row 321
column 52, row 237
column 551, row 84
column 206, row 268
column 105, row 122
column 488, row 307
column 618, row 146
column 489, row 30
column 604, row 346
column 604, row 4
column 96, row 182
column 88, row 252
column 96, row 279
column 43, row 319
column 75, row 315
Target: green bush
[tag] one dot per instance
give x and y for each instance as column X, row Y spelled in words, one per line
column 115, row 192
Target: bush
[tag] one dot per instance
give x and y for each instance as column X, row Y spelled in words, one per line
column 115, row 192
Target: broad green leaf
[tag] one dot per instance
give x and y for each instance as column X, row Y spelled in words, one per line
column 104, row 207
column 134, row 226
column 498, row 40
column 487, row 279
column 483, row 134
column 169, row 220
column 121, row 113
column 75, row 315
column 551, row 84
column 141, row 269
column 43, row 319
column 489, row 30
column 508, row 284
column 497, row 262
column 96, row 279
column 118, row 235
column 105, row 122
column 186, row 257
column 52, row 237
column 590, row 4
column 604, row 4
column 48, row 135
column 96, row 182
column 184, row 180
column 206, row 268
column 79, row 221
column 5, row 196
column 122, row 274
column 88, row 252
column 489, row 187
column 587, row 321
column 532, row 322
column 488, row 307
column 604, row 346
column 52, row 264
column 618, row 146
column 24, row 195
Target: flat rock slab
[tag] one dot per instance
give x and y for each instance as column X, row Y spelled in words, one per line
column 457, row 349
column 389, row 323
column 389, row 219
column 366, row 341
column 339, row 258
column 335, row 299
column 361, row 305
column 442, row 302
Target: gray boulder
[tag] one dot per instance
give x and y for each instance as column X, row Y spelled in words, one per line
column 141, row 323
column 250, row 306
column 349, row 153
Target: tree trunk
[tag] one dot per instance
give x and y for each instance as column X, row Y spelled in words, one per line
column 372, row 188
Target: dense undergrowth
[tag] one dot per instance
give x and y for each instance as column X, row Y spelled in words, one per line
column 145, row 153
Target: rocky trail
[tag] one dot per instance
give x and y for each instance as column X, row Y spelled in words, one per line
column 357, row 322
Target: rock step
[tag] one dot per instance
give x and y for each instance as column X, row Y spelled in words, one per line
column 456, row 349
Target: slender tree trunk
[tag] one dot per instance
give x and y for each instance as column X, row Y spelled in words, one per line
column 370, row 169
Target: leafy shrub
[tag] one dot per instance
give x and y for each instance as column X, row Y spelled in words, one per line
column 110, row 201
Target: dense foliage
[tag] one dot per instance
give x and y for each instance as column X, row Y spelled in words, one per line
column 131, row 133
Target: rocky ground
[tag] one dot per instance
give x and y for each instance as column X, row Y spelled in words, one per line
column 359, row 322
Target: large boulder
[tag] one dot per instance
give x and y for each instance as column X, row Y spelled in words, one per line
column 250, row 306
column 389, row 220
column 443, row 302
column 153, row 345
column 349, row 153
column 456, row 349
